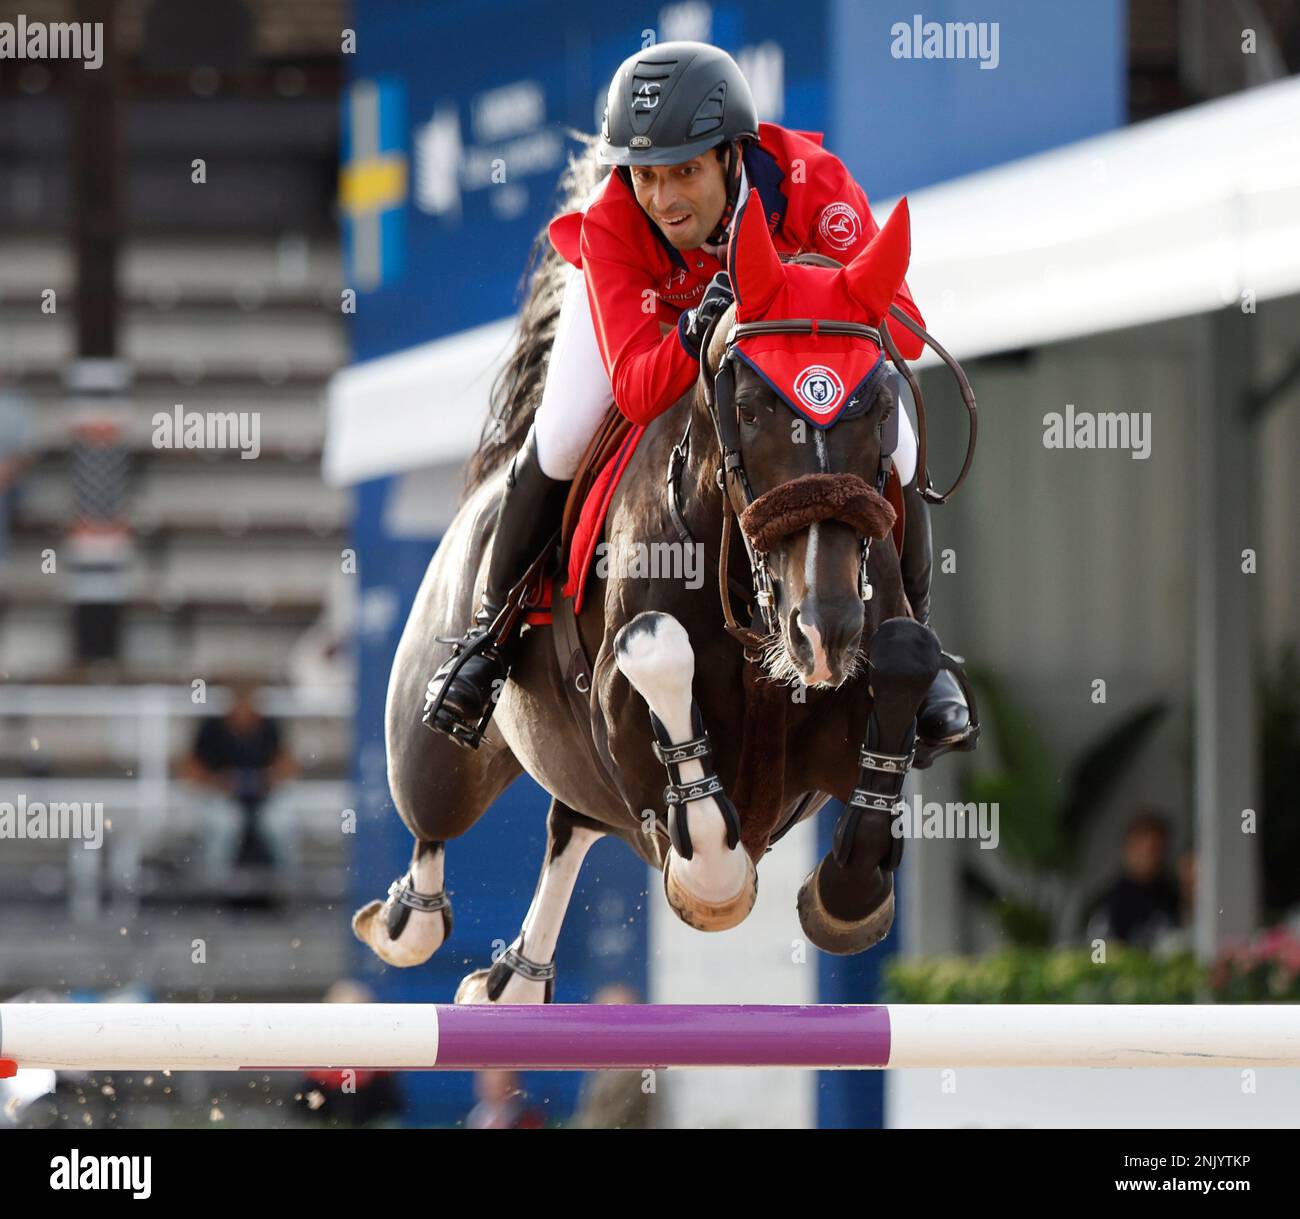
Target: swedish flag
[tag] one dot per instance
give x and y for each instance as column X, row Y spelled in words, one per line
column 373, row 182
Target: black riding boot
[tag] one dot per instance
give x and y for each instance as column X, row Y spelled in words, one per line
column 528, row 517
column 944, row 717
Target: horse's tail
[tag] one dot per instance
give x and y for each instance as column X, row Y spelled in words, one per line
column 517, row 389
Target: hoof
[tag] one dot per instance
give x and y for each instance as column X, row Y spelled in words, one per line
column 420, row 936
column 711, row 916
column 477, row 988
column 834, row 935
column 473, row 988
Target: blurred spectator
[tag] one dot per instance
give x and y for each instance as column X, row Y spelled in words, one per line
column 346, row 1099
column 615, row 1100
column 1142, row 906
column 501, row 1104
column 240, row 758
column 15, row 457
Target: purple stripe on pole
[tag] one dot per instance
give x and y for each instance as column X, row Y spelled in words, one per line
column 578, row 1037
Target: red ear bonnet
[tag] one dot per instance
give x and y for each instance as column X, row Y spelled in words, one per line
column 874, row 277
column 822, row 377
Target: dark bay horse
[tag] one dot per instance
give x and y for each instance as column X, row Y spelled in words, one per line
column 822, row 702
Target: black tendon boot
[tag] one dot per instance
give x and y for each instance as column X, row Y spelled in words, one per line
column 473, row 674
column 943, row 718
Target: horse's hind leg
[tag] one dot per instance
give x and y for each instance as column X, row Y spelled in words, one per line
column 414, row 921
column 847, row 903
column 440, row 791
column 525, row 973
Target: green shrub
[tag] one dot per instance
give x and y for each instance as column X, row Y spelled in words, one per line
column 1063, row 975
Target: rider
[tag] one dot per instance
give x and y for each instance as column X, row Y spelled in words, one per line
column 682, row 131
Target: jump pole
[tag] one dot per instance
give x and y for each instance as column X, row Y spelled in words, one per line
column 560, row 1037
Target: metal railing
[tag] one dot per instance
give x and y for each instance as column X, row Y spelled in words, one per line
column 142, row 805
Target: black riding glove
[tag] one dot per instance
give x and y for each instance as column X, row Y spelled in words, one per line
column 694, row 324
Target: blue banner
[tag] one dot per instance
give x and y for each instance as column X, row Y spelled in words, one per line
column 490, row 93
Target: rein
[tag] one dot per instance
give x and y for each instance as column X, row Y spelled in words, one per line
column 733, row 481
column 963, row 387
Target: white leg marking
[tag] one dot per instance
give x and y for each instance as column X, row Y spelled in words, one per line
column 541, row 930
column 550, row 903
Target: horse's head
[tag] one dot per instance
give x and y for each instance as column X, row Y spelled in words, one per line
column 799, row 413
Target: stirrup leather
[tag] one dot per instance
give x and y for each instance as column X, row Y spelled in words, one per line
column 495, row 641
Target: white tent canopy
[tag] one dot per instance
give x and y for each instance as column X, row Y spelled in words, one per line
column 1176, row 216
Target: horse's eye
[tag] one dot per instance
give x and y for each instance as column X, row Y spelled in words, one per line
column 747, row 416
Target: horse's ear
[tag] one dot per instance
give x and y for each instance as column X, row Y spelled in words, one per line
column 755, row 270
column 875, row 275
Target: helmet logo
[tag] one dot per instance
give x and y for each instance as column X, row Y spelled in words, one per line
column 819, row 388
column 639, row 141
column 646, row 96
column 840, row 226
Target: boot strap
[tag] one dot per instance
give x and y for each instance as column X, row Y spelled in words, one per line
column 886, row 763
column 533, row 971
column 681, row 792
column 428, row 903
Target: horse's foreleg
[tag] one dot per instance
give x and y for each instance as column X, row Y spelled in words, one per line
column 847, row 903
column 415, row 919
column 709, row 878
column 525, row 972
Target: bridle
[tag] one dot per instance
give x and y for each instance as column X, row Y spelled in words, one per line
column 733, row 480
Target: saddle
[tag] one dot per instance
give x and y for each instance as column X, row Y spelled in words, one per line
column 609, row 438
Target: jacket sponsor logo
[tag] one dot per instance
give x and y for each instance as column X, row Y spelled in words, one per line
column 819, row 388
column 840, row 226
column 676, row 290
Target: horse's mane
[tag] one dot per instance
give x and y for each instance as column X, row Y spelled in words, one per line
column 517, row 389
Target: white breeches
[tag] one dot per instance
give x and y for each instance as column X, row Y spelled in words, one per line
column 905, row 449
column 577, row 392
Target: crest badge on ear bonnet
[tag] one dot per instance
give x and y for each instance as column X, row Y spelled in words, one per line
column 823, row 377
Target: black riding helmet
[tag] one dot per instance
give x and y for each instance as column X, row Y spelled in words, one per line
column 674, row 101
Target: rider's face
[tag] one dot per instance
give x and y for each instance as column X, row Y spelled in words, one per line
column 686, row 200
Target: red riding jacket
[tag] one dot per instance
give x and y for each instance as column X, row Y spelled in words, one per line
column 812, row 204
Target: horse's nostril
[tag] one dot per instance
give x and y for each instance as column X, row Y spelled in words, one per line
column 802, row 639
